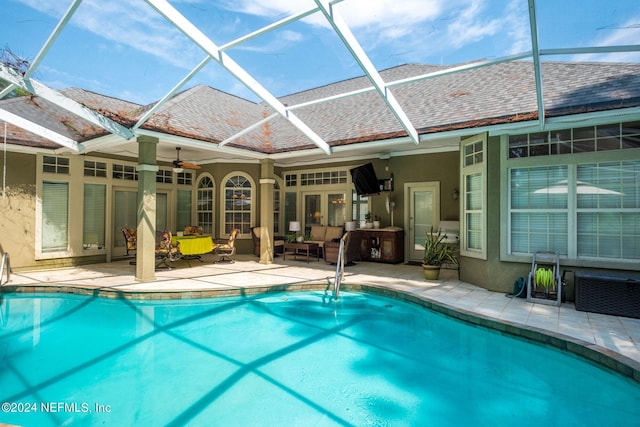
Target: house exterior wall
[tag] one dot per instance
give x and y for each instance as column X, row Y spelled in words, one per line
column 492, row 273
column 504, row 264
column 18, row 224
column 18, row 220
column 440, row 167
column 17, row 216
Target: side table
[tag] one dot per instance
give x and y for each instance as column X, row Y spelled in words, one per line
column 301, row 249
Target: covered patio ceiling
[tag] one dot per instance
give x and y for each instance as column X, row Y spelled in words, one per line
column 184, row 20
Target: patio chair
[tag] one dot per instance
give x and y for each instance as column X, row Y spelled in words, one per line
column 165, row 251
column 226, row 251
column 352, row 242
column 130, row 240
column 193, row 230
column 278, row 242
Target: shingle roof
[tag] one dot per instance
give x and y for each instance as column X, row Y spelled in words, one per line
column 499, row 93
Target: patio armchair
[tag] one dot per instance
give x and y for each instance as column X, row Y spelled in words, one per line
column 278, row 242
column 165, row 251
column 130, row 240
column 193, row 230
column 352, row 242
column 226, row 251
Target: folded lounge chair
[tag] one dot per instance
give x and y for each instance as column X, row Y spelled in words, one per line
column 226, row 251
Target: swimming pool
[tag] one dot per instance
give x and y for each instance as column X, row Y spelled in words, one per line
column 285, row 359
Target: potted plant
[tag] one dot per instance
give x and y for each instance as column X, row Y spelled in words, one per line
column 367, row 220
column 436, row 253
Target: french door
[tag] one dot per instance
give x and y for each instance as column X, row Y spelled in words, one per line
column 324, row 208
column 422, row 211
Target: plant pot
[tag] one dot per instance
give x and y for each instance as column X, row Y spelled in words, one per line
column 431, row 272
column 376, row 224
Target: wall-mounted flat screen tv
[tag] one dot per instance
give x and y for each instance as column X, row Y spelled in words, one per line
column 365, row 180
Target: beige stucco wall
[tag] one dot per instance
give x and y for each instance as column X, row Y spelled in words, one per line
column 17, row 216
column 438, row 167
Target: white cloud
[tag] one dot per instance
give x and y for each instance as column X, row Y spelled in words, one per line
column 129, row 23
column 272, row 8
column 627, row 33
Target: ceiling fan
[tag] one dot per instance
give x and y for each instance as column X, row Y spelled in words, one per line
column 179, row 164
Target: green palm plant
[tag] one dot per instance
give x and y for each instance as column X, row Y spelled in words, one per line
column 436, row 252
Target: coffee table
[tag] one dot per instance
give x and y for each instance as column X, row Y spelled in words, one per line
column 303, row 248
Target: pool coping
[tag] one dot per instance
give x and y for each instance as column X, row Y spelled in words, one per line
column 591, row 353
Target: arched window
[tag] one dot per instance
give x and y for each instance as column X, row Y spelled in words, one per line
column 238, row 199
column 205, row 204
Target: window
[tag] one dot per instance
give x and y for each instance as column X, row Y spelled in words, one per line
column 473, row 218
column 52, row 164
column 238, row 196
column 323, row 178
column 616, row 136
column 205, row 204
column 164, row 176
column 587, row 207
column 359, row 208
column 539, row 210
column 55, row 216
column 276, row 208
column 291, row 180
column 608, row 210
column 185, row 178
column 98, row 169
column 183, row 216
column 93, row 231
column 290, row 208
column 124, row 172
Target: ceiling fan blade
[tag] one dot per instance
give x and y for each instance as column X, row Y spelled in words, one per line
column 177, row 163
column 186, row 165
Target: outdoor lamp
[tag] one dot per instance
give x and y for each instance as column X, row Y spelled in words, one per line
column 350, row 226
column 295, row 227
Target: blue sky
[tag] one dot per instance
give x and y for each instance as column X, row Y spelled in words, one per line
column 123, row 48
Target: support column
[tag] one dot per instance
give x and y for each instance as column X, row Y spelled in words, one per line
column 267, row 182
column 146, row 228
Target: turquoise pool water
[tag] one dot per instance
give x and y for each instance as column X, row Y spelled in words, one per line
column 285, row 359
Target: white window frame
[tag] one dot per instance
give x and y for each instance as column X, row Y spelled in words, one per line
column 223, row 210
column 44, row 253
column 571, row 161
column 212, row 211
column 477, row 167
column 324, row 179
column 102, row 228
column 76, row 171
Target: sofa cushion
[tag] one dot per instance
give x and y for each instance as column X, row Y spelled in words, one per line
column 333, row 233
column 317, row 233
